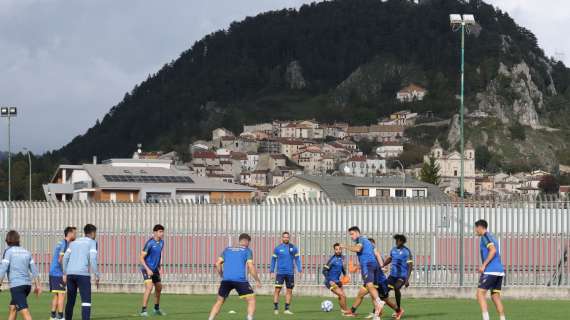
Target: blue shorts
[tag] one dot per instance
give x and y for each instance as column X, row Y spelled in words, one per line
column 155, row 278
column 382, row 288
column 396, row 283
column 288, row 279
column 370, row 273
column 337, row 284
column 56, row 284
column 491, row 282
column 243, row 289
column 20, row 297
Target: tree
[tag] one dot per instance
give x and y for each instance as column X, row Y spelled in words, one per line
column 430, row 172
column 483, row 157
column 366, row 146
column 549, row 185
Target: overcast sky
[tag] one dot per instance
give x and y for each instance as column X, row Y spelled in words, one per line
column 65, row 63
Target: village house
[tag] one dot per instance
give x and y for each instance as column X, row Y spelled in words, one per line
column 220, row 133
column 390, row 150
column 411, row 93
column 289, row 147
column 363, row 166
column 271, row 145
column 343, row 189
column 404, row 118
column 386, row 133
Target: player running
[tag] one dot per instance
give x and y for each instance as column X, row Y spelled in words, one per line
column 491, row 269
column 233, row 265
column 369, row 266
column 17, row 262
column 79, row 261
column 381, row 285
column 400, row 271
column 332, row 271
column 56, row 284
column 150, row 268
column 285, row 257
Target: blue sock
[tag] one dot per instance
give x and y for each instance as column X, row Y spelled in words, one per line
column 286, row 306
column 156, row 307
column 85, row 312
column 276, row 306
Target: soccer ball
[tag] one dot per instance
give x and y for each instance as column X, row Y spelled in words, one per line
column 327, row 306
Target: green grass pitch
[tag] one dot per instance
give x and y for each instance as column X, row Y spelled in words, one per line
column 126, row 306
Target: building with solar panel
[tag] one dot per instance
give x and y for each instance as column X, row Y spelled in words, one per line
column 139, row 180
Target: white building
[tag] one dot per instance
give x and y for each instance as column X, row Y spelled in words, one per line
column 450, row 167
column 410, row 93
column 390, row 150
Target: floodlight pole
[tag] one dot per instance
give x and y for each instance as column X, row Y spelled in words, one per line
column 462, row 151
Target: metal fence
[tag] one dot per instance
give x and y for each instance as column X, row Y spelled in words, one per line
column 533, row 236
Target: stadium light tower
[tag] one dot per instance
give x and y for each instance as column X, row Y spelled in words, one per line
column 462, row 23
column 9, row 112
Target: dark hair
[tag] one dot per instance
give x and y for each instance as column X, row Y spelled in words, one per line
column 68, row 230
column 89, row 228
column 13, row 238
column 354, row 228
column 400, row 237
column 285, row 233
column 244, row 236
column 481, row 223
column 372, row 240
column 158, row 227
column 336, row 245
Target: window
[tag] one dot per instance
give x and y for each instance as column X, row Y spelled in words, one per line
column 362, row 192
column 400, row 193
column 455, row 173
column 383, row 193
column 113, row 196
column 418, row 193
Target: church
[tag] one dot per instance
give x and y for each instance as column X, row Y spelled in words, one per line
column 450, row 167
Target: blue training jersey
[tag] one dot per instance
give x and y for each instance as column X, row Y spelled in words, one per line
column 400, row 259
column 285, row 258
column 19, row 265
column 153, row 253
column 80, row 258
column 235, row 263
column 366, row 256
column 495, row 267
column 334, row 268
column 56, row 268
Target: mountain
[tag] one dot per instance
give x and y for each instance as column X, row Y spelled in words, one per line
column 345, row 60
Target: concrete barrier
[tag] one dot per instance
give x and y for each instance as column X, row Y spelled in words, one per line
column 516, row 293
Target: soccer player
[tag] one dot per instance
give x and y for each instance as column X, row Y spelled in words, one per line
column 369, row 266
column 17, row 262
column 233, row 265
column 150, row 268
column 79, row 261
column 381, row 285
column 332, row 271
column 285, row 257
column 491, row 269
column 400, row 271
column 56, row 284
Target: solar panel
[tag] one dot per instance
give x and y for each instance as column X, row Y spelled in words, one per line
column 148, row 179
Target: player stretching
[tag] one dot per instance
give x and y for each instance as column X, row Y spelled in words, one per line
column 17, row 262
column 381, row 285
column 368, row 266
column 233, row 265
column 285, row 257
column 150, row 268
column 332, row 271
column 491, row 269
column 79, row 261
column 56, row 284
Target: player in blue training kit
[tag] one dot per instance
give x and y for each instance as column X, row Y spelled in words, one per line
column 369, row 266
column 400, row 271
column 233, row 265
column 492, row 271
column 381, row 285
column 18, row 264
column 285, row 257
column 56, row 284
column 332, row 271
column 79, row 261
column 150, row 268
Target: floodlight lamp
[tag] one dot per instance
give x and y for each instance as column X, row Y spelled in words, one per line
column 13, row 111
column 455, row 19
column 4, row 112
column 469, row 19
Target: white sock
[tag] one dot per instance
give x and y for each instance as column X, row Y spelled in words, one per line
column 503, row 318
column 485, row 315
column 249, row 317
